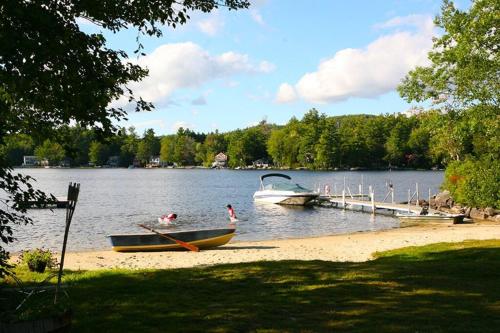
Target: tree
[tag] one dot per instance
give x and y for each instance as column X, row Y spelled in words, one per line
column 464, row 60
column 128, row 150
column 148, row 147
column 52, row 73
column 167, row 148
column 327, row 148
column 214, row 143
column 16, row 147
column 312, row 127
column 463, row 82
column 397, row 143
column 50, row 151
column 276, row 146
column 185, row 148
column 98, row 153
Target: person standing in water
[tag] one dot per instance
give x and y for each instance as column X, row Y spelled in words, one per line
column 232, row 214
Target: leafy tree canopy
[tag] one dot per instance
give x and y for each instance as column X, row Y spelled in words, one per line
column 52, row 73
column 465, row 62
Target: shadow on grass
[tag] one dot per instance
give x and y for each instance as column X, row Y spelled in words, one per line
column 432, row 291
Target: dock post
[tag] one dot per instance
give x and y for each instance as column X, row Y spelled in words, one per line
column 416, row 185
column 372, row 194
column 409, row 199
column 392, row 194
column 429, row 202
column 362, row 185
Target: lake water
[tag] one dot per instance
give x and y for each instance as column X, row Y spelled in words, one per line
column 116, row 200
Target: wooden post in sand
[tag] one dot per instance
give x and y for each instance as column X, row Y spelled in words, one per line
column 73, row 191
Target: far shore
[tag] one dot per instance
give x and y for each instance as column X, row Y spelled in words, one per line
column 356, row 247
column 201, row 167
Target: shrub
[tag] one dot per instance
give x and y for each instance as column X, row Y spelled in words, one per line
column 38, row 259
column 474, row 182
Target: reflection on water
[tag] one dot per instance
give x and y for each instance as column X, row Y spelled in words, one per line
column 117, row 200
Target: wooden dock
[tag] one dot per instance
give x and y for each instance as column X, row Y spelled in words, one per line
column 370, row 205
column 61, row 202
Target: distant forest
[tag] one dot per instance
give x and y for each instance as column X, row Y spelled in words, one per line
column 428, row 139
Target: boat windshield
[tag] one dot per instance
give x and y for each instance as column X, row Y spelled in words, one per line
column 284, row 186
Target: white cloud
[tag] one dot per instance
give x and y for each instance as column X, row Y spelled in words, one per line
column 421, row 22
column 286, row 94
column 187, row 65
column 369, row 72
column 212, row 25
column 183, row 124
column 232, row 84
column 257, row 17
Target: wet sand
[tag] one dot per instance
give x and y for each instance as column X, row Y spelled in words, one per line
column 348, row 247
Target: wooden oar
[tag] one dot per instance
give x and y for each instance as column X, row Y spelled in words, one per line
column 188, row 246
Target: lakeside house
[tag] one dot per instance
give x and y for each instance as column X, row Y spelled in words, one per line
column 30, row 161
column 156, row 162
column 113, row 161
column 261, row 163
column 220, row 161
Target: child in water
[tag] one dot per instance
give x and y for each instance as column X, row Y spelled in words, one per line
column 232, row 214
column 167, row 218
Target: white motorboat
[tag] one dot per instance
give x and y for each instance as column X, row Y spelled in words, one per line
column 283, row 192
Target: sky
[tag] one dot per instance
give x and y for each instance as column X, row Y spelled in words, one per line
column 280, row 58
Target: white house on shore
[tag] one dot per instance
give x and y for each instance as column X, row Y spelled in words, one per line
column 29, row 161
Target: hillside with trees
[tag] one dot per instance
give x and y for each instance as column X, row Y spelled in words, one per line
column 315, row 142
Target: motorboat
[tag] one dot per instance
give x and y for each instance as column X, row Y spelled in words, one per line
column 203, row 239
column 283, row 192
column 430, row 218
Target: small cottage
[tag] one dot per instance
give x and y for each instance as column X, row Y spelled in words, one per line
column 220, row 161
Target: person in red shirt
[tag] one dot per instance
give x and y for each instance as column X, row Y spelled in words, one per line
column 232, row 214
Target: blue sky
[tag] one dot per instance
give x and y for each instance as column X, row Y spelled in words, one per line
column 278, row 59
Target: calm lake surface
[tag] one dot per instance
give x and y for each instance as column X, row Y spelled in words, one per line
column 116, row 200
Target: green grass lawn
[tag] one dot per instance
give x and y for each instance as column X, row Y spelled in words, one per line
column 436, row 288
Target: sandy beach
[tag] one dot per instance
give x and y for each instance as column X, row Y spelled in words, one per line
column 348, row 247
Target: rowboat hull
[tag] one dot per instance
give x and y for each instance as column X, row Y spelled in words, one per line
column 203, row 239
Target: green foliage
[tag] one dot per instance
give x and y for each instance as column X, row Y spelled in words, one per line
column 167, row 148
column 53, row 74
column 474, row 183
column 246, row 146
column 15, row 148
column 148, row 147
column 51, row 151
column 464, row 84
column 98, row 153
column 464, row 60
column 38, row 259
column 327, row 147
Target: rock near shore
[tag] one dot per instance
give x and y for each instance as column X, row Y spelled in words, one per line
column 444, row 202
